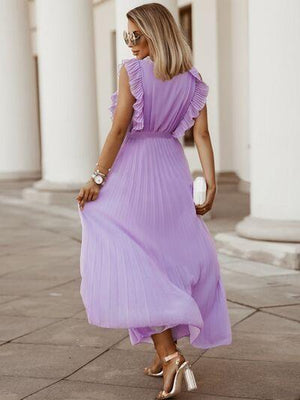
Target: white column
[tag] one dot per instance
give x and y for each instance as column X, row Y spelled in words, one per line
column 19, row 136
column 65, row 46
column 206, row 59
column 121, row 8
column 274, row 82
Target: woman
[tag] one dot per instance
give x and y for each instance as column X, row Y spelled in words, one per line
column 148, row 262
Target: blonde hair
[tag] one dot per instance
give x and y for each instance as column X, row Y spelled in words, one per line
column 168, row 46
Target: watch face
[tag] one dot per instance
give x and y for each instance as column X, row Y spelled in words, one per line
column 98, row 179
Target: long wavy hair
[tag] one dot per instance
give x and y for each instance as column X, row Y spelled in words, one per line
column 167, row 43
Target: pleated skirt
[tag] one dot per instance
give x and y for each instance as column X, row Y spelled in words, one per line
column 148, row 261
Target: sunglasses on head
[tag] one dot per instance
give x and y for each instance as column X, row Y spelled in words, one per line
column 132, row 37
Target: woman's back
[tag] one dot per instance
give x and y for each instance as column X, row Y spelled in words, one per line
column 147, row 259
column 168, row 106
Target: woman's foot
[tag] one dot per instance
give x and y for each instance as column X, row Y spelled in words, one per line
column 155, row 367
column 169, row 371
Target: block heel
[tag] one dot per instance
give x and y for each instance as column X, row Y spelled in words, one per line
column 183, row 371
column 189, row 378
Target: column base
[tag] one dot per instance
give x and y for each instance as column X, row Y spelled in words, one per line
column 280, row 254
column 19, row 175
column 266, row 229
column 45, row 192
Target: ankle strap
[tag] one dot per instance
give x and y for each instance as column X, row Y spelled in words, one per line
column 170, row 356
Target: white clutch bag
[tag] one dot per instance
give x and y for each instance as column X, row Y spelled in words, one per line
column 199, row 190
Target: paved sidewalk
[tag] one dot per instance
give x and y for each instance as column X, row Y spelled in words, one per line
column 49, row 351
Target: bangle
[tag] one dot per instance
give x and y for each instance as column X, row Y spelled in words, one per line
column 108, row 169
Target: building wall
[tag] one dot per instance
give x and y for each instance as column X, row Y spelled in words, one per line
column 220, row 51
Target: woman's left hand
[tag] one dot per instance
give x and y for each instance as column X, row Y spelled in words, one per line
column 207, row 205
column 89, row 192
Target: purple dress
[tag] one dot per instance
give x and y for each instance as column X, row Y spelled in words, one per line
column 148, row 261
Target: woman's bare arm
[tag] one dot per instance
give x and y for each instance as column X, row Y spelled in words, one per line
column 121, row 121
column 204, row 147
column 114, row 139
column 206, row 155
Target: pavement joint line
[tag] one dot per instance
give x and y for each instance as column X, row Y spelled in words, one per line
column 53, row 287
column 241, row 304
column 283, row 305
column 56, row 231
column 280, row 316
column 60, row 379
column 252, row 360
column 257, row 308
column 28, row 248
column 75, row 346
column 111, row 384
column 56, row 320
column 25, row 316
column 243, row 319
column 72, row 373
column 43, row 208
column 35, row 330
column 47, row 229
column 38, row 329
column 150, row 389
column 9, row 301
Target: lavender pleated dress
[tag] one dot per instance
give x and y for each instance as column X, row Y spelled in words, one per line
column 148, row 261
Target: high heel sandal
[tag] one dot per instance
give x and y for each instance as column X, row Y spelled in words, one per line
column 147, row 370
column 184, row 370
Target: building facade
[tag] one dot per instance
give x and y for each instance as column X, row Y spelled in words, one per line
column 58, row 69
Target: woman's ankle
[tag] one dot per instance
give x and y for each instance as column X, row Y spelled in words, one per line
column 165, row 350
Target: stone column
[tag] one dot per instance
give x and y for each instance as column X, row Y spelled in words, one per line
column 19, row 136
column 274, row 84
column 65, row 45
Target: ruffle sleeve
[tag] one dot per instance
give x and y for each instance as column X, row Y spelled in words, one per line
column 198, row 101
column 134, row 70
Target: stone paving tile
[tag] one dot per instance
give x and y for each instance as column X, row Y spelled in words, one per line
column 62, row 271
column 37, row 238
column 7, row 299
column 53, row 223
column 48, row 249
column 247, row 379
column 75, row 332
column 292, row 312
column 51, row 305
column 44, row 361
column 12, row 327
column 224, row 259
column 26, row 286
column 238, row 312
column 262, row 322
column 289, row 279
column 259, row 346
column 66, row 390
column 265, row 296
column 44, row 252
column 257, row 269
column 80, row 315
column 15, row 388
column 70, row 290
column 122, row 366
column 18, row 262
column 235, row 280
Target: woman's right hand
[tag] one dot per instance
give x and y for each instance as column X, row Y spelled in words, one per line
column 207, row 205
column 88, row 192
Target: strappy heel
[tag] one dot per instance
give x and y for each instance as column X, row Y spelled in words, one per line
column 147, row 370
column 184, row 370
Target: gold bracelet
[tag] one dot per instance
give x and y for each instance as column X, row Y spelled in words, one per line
column 108, row 169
